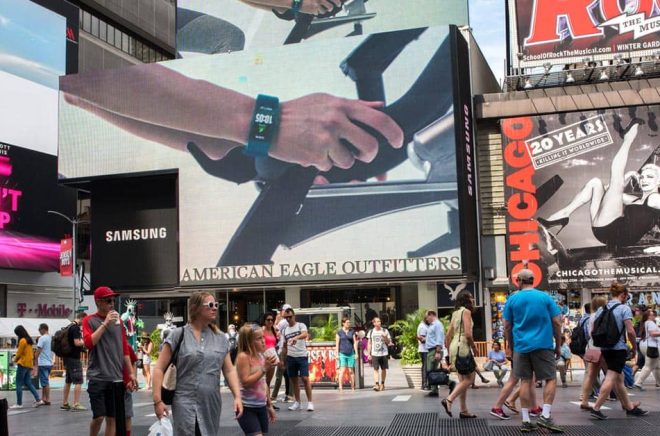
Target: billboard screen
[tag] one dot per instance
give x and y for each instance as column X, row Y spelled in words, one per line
column 367, row 176
column 582, row 197
column 209, row 27
column 571, row 31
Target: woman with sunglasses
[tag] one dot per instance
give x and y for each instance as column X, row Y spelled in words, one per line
column 270, row 339
column 203, row 352
column 650, row 333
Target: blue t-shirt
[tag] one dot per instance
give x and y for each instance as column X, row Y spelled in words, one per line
column 435, row 335
column 621, row 313
column 497, row 356
column 530, row 312
column 46, row 354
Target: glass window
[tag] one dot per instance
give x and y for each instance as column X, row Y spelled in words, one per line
column 138, row 50
column 152, row 55
column 111, row 34
column 131, row 46
column 103, row 30
column 118, row 34
column 124, row 42
column 87, row 21
column 95, row 26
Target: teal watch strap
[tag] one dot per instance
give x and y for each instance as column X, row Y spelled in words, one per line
column 295, row 6
column 264, row 125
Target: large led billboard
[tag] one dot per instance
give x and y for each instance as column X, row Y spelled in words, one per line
column 370, row 174
column 542, row 31
column 582, row 197
column 223, row 26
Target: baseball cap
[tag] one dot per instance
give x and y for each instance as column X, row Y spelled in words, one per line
column 286, row 307
column 525, row 275
column 104, row 292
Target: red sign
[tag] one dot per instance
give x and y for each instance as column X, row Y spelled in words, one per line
column 567, row 31
column 66, row 257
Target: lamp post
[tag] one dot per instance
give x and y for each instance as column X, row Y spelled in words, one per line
column 74, row 223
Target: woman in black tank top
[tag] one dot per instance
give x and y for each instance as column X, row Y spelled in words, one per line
column 617, row 219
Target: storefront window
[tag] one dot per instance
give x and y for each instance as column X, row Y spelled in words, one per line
column 497, row 301
column 365, row 303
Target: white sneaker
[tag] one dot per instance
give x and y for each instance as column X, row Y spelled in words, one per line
column 39, row 403
column 295, row 406
column 16, row 406
column 310, row 407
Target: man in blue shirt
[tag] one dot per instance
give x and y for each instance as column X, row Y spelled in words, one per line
column 435, row 343
column 531, row 321
column 615, row 356
column 44, row 363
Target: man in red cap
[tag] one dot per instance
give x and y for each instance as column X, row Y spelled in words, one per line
column 105, row 338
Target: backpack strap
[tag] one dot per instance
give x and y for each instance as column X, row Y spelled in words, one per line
column 175, row 353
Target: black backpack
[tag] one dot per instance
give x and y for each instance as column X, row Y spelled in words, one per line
column 60, row 344
column 233, row 341
column 606, row 333
column 579, row 340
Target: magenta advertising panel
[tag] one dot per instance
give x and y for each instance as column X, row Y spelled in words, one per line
column 554, row 31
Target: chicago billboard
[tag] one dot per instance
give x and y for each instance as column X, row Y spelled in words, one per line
column 582, row 197
column 209, row 27
column 369, row 172
column 558, row 32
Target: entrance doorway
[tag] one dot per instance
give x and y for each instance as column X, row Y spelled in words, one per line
column 239, row 307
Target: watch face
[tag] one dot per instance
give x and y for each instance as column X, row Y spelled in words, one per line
column 262, row 125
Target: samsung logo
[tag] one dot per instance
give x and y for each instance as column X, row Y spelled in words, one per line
column 135, row 234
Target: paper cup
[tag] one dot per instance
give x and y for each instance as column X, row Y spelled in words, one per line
column 271, row 352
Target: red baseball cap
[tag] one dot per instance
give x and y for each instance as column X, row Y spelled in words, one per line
column 104, row 292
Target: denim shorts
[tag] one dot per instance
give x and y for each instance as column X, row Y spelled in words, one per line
column 44, row 373
column 297, row 366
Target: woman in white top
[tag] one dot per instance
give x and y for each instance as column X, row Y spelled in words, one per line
column 592, row 358
column 650, row 333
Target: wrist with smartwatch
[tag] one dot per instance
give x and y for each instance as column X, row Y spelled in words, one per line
column 295, row 6
column 264, row 126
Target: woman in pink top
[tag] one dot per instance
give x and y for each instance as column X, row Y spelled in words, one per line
column 270, row 339
column 252, row 368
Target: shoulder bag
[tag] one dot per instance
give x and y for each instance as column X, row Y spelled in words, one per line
column 169, row 378
column 651, row 352
column 464, row 364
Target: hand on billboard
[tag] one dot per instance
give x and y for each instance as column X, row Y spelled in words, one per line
column 320, row 130
column 318, row 7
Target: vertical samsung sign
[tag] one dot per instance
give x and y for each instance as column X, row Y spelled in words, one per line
column 465, row 159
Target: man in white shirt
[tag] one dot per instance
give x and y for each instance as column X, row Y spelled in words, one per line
column 44, row 363
column 422, row 328
column 295, row 354
column 379, row 339
column 280, row 325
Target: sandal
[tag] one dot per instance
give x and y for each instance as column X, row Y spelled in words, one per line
column 587, row 407
column 511, row 407
column 466, row 415
column 447, row 405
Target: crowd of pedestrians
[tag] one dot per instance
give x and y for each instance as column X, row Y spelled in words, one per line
column 534, row 351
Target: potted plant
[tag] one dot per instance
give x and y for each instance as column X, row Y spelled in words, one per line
column 406, row 334
column 325, row 332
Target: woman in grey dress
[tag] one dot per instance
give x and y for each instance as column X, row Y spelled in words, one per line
column 204, row 352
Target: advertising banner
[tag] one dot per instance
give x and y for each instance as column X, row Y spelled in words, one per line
column 225, row 26
column 66, row 257
column 559, row 32
column 366, row 177
column 582, row 197
column 134, row 232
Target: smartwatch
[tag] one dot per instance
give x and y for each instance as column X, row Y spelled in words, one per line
column 295, row 6
column 264, row 126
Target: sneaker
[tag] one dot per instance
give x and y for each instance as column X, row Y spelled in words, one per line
column 638, row 387
column 376, row 387
column 65, row 406
column 16, row 406
column 78, row 408
column 310, row 407
column 549, row 424
column 295, row 406
column 598, row 414
column 528, row 426
column 636, row 411
column 499, row 413
column 535, row 412
column 38, row 403
column 382, row 387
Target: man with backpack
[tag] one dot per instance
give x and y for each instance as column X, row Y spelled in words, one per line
column 612, row 323
column 379, row 339
column 72, row 364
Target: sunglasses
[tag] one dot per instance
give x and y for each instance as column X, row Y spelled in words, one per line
column 108, row 300
column 269, row 319
column 212, row 305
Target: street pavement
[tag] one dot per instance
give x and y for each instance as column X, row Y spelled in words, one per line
column 397, row 411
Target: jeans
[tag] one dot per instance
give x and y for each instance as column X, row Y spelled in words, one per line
column 24, row 377
column 425, row 383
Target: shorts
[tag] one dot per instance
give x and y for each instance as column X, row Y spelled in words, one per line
column 101, row 397
column 297, row 366
column 346, row 360
column 615, row 359
column 44, row 374
column 128, row 404
column 74, row 371
column 254, row 420
column 539, row 363
column 380, row 362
